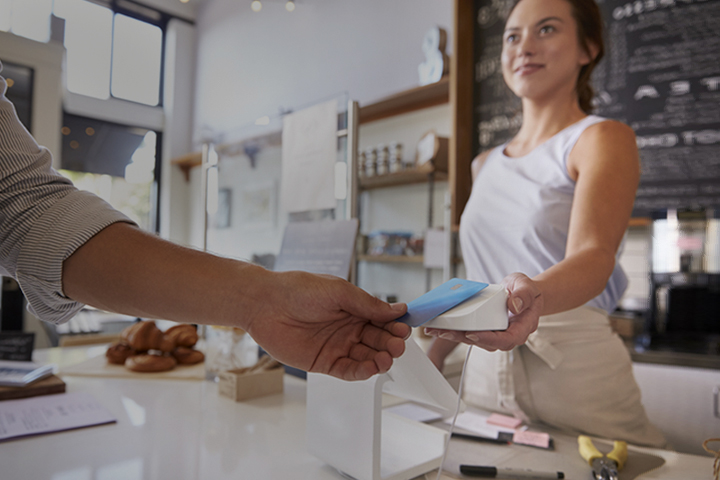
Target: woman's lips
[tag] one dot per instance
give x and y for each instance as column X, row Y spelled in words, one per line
column 528, row 69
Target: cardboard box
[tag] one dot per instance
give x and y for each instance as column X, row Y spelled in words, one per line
column 240, row 386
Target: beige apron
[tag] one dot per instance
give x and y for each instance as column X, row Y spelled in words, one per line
column 573, row 373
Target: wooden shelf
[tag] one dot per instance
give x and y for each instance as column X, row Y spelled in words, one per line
column 194, row 159
column 187, row 162
column 640, row 222
column 407, row 101
column 391, row 258
column 406, row 177
column 398, row 259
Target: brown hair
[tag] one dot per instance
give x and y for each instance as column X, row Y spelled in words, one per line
column 590, row 32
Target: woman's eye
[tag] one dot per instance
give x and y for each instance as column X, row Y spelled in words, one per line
column 547, row 29
column 510, row 38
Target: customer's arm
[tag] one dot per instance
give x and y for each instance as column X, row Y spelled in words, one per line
column 43, row 218
column 606, row 166
column 48, row 228
column 317, row 323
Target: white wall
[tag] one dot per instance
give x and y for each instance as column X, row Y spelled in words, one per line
column 46, row 60
column 251, row 64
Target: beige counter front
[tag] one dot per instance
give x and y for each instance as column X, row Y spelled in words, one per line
column 180, row 429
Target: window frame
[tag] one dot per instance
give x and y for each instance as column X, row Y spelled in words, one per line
column 143, row 13
column 161, row 22
column 156, row 185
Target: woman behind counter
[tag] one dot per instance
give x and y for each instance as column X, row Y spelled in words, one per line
column 553, row 205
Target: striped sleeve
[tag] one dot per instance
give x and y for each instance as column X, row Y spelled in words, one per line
column 43, row 218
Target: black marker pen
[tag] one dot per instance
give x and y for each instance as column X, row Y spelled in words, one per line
column 494, row 472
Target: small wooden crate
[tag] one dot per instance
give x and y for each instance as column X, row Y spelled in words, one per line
column 239, row 385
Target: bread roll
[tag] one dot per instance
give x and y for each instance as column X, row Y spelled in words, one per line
column 188, row 356
column 183, row 335
column 117, row 353
column 144, row 336
column 150, row 363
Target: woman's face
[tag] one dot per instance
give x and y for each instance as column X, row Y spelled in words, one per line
column 541, row 54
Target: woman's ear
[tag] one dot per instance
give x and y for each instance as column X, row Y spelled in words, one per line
column 591, row 52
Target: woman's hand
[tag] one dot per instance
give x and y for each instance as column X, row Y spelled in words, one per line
column 525, row 303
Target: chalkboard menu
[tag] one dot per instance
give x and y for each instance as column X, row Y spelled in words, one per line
column 660, row 75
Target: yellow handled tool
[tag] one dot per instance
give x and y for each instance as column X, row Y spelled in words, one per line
column 605, row 467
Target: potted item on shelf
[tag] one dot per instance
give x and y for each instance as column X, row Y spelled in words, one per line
column 432, row 152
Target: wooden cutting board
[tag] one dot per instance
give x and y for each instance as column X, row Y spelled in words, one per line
column 46, row 386
column 99, row 367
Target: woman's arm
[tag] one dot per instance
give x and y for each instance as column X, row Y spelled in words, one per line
column 605, row 164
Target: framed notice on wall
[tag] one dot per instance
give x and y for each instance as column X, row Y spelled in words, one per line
column 309, row 153
column 660, row 75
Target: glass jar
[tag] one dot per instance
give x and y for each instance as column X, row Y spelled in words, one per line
column 396, row 160
column 228, row 348
column 370, row 162
column 383, row 160
column 361, row 164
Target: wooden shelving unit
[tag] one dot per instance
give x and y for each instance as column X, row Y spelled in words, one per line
column 392, row 258
column 187, row 162
column 640, row 222
column 407, row 101
column 401, row 103
column 406, row 177
column 397, row 259
column 194, row 159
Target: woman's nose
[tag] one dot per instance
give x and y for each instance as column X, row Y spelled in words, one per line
column 527, row 46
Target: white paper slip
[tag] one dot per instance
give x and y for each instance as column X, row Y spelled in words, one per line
column 414, row 412
column 477, row 423
column 19, row 374
column 50, row 413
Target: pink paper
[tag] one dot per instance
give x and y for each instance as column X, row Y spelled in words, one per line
column 535, row 439
column 504, row 421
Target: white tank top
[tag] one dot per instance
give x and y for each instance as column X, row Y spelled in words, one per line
column 518, row 214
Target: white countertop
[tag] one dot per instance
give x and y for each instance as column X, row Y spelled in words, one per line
column 182, row 429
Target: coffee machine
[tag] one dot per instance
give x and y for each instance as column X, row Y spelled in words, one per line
column 685, row 282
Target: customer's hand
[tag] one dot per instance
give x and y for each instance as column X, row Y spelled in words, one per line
column 324, row 324
column 524, row 303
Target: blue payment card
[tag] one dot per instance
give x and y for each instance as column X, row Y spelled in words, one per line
column 439, row 300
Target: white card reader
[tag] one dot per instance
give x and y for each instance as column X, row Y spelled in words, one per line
column 486, row 310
